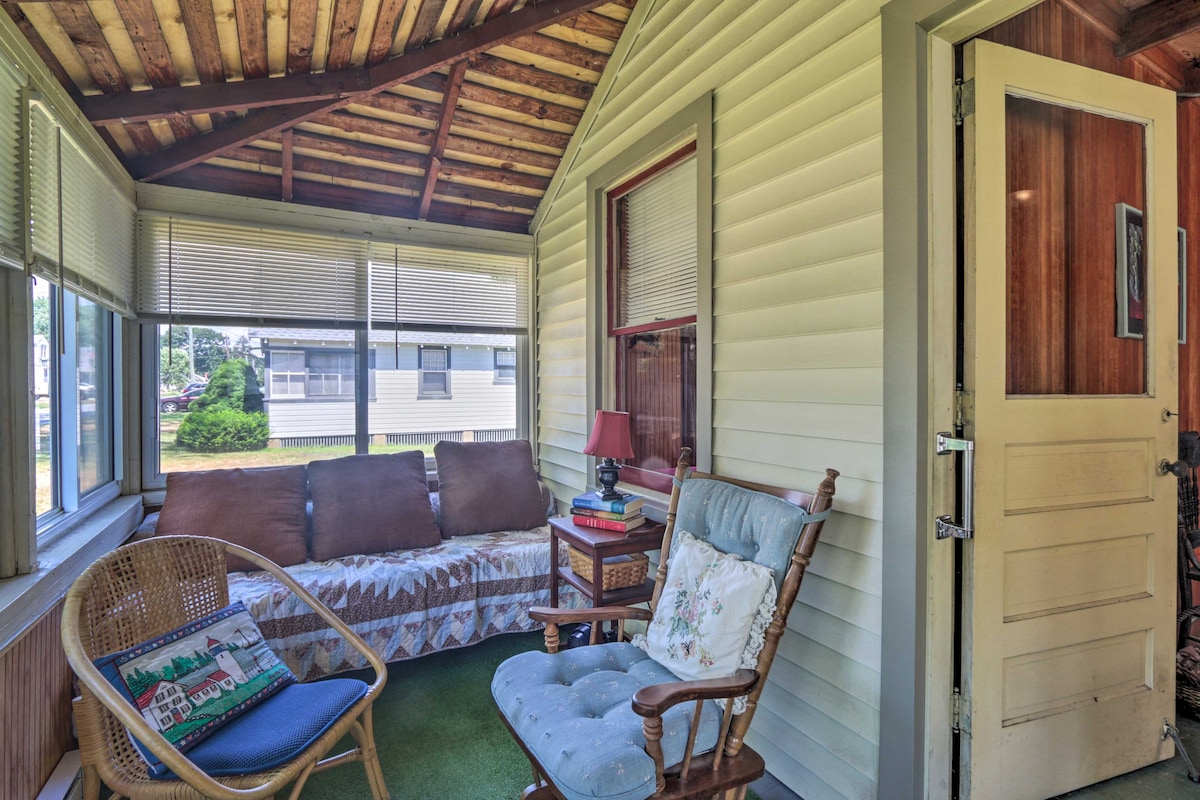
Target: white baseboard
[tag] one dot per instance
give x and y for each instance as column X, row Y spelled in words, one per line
column 66, row 782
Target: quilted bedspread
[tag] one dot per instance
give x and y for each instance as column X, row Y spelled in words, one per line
column 406, row 603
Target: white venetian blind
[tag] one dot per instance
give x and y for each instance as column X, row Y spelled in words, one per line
column 195, row 266
column 68, row 190
column 435, row 288
column 656, row 272
column 12, row 211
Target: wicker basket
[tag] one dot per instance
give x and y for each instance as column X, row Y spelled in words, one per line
column 619, row 571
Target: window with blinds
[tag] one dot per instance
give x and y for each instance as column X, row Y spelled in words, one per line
column 80, row 224
column 652, row 222
column 215, row 268
column 427, row 288
column 12, row 211
column 653, row 230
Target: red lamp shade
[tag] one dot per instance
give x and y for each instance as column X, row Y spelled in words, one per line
column 610, row 436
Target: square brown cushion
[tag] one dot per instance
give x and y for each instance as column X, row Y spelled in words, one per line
column 370, row 504
column 261, row 509
column 488, row 486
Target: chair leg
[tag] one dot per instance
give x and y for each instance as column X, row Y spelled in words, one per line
column 91, row 783
column 364, row 734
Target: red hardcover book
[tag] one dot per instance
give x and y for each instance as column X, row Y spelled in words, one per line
column 619, row 525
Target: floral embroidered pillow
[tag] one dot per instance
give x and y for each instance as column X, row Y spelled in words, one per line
column 189, row 682
column 710, row 619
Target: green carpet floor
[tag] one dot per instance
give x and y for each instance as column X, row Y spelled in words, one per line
column 438, row 734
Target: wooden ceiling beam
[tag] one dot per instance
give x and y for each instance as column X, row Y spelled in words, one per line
column 383, row 76
column 449, row 104
column 302, row 36
column 141, row 22
column 287, row 165
column 1157, row 23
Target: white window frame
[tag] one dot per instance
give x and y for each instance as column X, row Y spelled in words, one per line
column 422, row 393
column 497, row 367
column 693, row 123
column 272, row 372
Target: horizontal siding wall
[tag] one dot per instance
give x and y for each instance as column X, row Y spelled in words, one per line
column 477, row 403
column 797, row 328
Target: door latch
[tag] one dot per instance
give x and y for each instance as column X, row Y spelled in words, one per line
column 944, row 526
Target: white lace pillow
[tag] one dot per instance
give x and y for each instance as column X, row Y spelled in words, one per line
column 712, row 614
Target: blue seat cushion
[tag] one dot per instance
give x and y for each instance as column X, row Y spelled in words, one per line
column 275, row 731
column 572, row 710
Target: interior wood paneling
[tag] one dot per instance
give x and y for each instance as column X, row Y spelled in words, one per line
column 35, row 707
column 1188, row 122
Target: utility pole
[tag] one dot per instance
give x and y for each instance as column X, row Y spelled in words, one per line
column 191, row 356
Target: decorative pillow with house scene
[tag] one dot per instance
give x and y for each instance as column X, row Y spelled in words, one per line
column 190, row 681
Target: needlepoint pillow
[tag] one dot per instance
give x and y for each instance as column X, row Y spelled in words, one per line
column 371, row 504
column 189, row 682
column 712, row 614
column 488, row 486
column 261, row 509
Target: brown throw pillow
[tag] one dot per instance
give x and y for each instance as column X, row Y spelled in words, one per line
column 488, row 486
column 261, row 509
column 370, row 504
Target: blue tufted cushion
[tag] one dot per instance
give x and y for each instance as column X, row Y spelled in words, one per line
column 275, row 731
column 756, row 526
column 572, row 710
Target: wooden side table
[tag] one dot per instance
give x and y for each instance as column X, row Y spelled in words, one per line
column 600, row 544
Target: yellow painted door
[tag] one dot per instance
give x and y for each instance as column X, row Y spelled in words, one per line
column 1069, row 367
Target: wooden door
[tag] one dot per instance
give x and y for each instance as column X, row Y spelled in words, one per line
column 1068, row 600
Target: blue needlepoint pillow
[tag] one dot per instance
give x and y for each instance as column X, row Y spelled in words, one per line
column 191, row 681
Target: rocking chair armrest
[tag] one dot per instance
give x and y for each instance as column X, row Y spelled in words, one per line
column 653, row 701
column 560, row 616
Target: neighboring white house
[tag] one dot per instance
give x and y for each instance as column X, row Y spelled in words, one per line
column 423, row 387
column 41, row 366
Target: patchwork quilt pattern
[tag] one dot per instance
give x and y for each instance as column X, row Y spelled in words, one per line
column 407, row 603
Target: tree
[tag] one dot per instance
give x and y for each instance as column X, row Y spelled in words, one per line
column 226, row 388
column 173, row 368
column 228, row 416
column 41, row 316
column 210, row 347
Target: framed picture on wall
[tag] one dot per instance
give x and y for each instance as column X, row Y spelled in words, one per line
column 1183, row 315
column 1131, row 272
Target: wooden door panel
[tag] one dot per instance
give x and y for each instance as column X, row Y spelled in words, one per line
column 1069, row 577
column 1042, row 476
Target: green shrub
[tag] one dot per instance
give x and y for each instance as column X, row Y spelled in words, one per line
column 227, row 388
column 223, row 430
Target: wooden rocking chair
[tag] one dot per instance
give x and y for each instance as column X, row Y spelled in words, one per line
column 608, row 721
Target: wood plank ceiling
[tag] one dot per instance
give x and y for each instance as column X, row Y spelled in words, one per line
column 455, row 111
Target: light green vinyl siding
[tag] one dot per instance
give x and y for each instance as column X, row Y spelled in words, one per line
column 797, row 320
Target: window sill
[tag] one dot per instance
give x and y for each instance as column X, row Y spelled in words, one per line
column 25, row 598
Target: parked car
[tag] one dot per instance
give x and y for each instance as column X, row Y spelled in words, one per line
column 195, row 385
column 179, row 402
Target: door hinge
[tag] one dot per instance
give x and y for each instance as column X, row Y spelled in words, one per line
column 961, row 717
column 964, row 408
column 964, row 99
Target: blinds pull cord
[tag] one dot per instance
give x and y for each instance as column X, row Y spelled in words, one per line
column 62, row 295
column 171, row 292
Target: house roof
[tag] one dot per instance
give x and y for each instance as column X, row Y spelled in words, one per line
column 382, row 337
column 454, row 111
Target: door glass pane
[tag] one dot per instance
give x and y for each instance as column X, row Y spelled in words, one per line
column 1077, row 310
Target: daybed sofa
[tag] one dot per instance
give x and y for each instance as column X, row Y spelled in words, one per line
column 413, row 571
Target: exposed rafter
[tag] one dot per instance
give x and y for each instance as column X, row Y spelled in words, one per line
column 1156, row 23
column 449, row 103
column 287, row 165
column 378, row 78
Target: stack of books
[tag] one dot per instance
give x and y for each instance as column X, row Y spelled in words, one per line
column 621, row 515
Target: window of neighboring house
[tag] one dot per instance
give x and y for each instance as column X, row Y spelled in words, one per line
column 433, row 374
column 331, row 374
column 652, row 285
column 75, row 396
column 505, row 366
column 287, row 373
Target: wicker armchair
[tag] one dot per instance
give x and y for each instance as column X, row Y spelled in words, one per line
column 151, row 587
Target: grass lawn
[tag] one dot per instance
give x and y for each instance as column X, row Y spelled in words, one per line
column 173, row 458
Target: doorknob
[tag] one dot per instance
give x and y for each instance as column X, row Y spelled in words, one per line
column 1177, row 468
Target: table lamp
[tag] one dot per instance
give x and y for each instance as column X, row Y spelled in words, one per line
column 609, row 440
